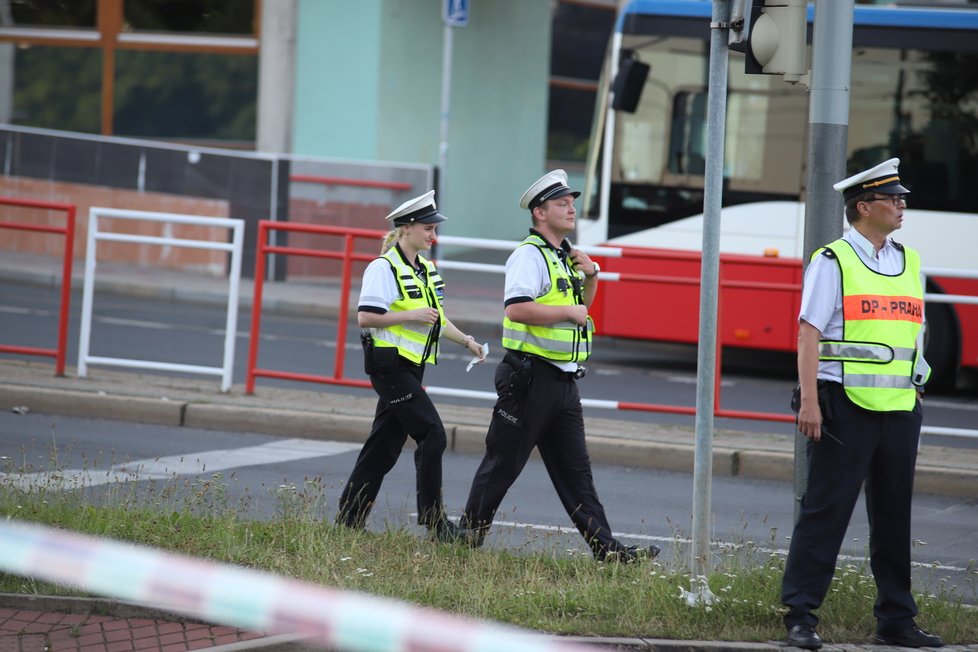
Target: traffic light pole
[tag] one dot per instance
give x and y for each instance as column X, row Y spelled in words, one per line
column 716, row 115
column 828, row 129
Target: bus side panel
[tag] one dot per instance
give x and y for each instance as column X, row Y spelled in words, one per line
column 759, row 301
column 967, row 317
column 662, row 306
column 658, row 299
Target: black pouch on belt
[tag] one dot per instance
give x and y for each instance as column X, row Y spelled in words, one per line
column 823, row 399
column 824, row 405
column 519, row 380
column 367, row 342
column 378, row 360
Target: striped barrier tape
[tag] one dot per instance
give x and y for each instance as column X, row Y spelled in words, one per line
column 252, row 600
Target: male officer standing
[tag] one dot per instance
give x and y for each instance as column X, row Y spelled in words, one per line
column 547, row 334
column 861, row 372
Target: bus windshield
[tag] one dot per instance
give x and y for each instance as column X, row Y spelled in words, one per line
column 914, row 95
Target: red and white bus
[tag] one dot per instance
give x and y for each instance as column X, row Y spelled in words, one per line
column 914, row 95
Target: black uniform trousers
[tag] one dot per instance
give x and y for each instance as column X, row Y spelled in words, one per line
column 549, row 416
column 879, row 448
column 403, row 409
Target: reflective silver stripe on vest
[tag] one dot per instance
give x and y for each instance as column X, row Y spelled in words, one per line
column 399, row 341
column 864, row 352
column 878, row 382
column 546, row 343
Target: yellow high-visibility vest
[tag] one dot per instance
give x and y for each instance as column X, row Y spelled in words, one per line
column 415, row 341
column 561, row 342
column 882, row 364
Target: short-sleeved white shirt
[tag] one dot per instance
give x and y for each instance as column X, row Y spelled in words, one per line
column 821, row 295
column 526, row 274
column 379, row 289
column 527, row 277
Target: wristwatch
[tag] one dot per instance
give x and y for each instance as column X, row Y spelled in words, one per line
column 597, row 268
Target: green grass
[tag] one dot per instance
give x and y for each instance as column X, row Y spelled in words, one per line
column 552, row 591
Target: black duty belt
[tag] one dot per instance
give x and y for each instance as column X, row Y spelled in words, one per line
column 541, row 367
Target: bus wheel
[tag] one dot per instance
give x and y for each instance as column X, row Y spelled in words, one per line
column 941, row 344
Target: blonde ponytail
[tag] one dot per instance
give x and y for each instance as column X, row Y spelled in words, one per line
column 388, row 241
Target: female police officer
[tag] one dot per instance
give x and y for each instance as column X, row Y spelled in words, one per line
column 400, row 310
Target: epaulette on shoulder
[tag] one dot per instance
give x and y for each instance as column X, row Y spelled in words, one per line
column 897, row 245
column 828, row 253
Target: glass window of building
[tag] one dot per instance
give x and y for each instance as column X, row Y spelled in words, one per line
column 180, row 69
column 45, row 13
column 186, row 96
column 205, row 16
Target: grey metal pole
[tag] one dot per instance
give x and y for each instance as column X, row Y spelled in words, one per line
column 276, row 75
column 828, row 128
column 709, row 284
column 446, row 98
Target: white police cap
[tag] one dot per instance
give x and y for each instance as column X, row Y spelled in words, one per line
column 420, row 209
column 549, row 186
column 883, row 179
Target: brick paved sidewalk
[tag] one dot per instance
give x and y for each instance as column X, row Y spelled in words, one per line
column 23, row 630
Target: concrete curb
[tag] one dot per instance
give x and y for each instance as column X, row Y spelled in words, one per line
column 160, row 411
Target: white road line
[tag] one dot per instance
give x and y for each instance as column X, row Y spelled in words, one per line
column 140, row 323
column 950, row 405
column 678, row 540
column 164, row 468
column 14, row 310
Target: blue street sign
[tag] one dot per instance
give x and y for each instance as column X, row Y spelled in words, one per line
column 455, row 13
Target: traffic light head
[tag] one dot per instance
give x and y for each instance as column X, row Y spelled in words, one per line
column 777, row 39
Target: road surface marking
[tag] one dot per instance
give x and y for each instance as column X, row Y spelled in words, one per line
column 166, row 468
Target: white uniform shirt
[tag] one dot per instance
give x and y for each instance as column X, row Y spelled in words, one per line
column 527, row 276
column 821, row 295
column 379, row 289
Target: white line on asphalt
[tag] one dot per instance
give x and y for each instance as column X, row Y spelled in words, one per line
column 14, row 310
column 677, row 540
column 950, row 405
column 165, row 468
column 691, row 380
column 118, row 321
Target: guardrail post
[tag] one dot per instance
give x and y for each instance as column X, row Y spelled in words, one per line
column 68, row 231
column 66, row 267
column 344, row 307
column 256, row 307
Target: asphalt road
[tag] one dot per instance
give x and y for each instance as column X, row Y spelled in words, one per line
column 262, row 475
column 144, row 328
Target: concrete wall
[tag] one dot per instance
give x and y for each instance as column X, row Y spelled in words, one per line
column 369, row 87
column 337, row 78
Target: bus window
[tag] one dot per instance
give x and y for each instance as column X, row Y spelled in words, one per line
column 923, row 108
column 687, row 140
column 659, row 160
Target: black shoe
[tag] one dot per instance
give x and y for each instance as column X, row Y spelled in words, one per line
column 447, row 532
column 804, row 636
column 629, row 555
column 910, row 636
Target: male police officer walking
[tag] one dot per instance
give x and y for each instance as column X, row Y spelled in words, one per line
column 547, row 334
column 861, row 368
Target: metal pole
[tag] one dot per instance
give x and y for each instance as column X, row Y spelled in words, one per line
column 709, row 284
column 828, row 126
column 276, row 75
column 446, row 96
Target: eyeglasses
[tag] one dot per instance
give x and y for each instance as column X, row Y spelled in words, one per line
column 896, row 200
